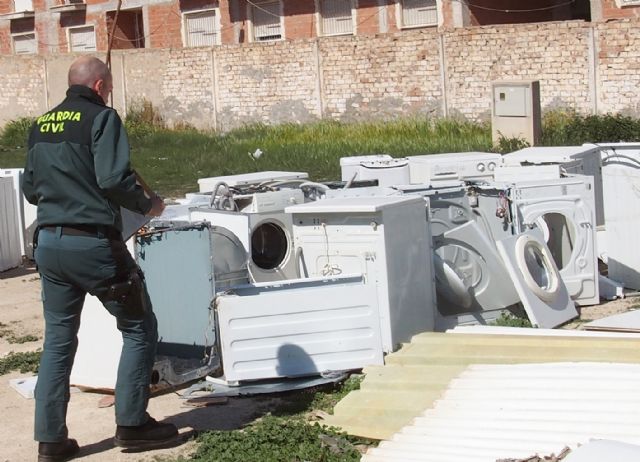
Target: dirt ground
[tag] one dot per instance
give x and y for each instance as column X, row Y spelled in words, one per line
column 93, row 426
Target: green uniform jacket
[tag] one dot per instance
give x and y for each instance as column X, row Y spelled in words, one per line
column 78, row 169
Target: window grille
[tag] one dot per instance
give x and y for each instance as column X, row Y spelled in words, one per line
column 24, row 44
column 266, row 21
column 200, row 28
column 336, row 17
column 416, row 13
column 82, row 39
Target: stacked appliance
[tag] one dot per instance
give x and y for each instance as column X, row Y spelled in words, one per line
column 387, row 239
column 252, row 206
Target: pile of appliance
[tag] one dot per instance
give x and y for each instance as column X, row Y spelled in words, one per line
column 269, row 275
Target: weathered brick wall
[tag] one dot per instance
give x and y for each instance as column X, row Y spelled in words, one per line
column 271, row 83
column 389, row 75
column 556, row 54
column 179, row 83
column 22, row 87
column 582, row 66
column 618, row 76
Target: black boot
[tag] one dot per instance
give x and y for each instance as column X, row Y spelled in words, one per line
column 57, row 452
column 149, row 435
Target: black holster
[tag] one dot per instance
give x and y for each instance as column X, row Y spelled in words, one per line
column 130, row 293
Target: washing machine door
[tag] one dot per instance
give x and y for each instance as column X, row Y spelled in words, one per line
column 537, row 280
column 566, row 224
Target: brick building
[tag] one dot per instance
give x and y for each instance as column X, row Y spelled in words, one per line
column 61, row 26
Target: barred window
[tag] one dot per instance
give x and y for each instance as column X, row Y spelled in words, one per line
column 201, row 28
column 24, row 44
column 418, row 13
column 82, row 38
column 266, row 21
column 336, row 17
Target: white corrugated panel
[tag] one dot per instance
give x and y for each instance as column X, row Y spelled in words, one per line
column 24, row 44
column 200, row 28
column 10, row 229
column 419, row 13
column 266, row 21
column 515, row 411
column 526, row 331
column 82, row 39
column 336, row 17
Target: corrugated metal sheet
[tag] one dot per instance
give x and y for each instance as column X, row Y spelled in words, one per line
column 514, row 411
column 418, row 374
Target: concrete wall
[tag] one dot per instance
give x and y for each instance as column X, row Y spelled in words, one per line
column 591, row 68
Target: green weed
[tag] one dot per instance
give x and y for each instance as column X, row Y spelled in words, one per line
column 15, row 133
column 510, row 320
column 23, row 362
column 274, row 439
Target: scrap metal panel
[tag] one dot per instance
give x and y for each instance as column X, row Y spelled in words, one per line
column 299, row 327
column 10, row 229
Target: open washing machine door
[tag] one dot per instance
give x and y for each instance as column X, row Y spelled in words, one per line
column 537, row 280
column 562, row 212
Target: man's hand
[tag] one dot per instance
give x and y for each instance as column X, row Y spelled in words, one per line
column 157, row 206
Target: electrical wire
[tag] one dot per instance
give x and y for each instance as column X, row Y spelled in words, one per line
column 527, row 10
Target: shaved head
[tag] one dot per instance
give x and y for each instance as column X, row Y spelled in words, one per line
column 87, row 70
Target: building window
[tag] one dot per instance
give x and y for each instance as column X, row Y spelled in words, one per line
column 266, row 19
column 24, row 44
column 129, row 30
column 336, row 17
column 201, row 28
column 82, row 38
column 22, row 5
column 418, row 13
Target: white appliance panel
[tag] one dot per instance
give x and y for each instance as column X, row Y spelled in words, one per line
column 621, row 182
column 299, row 327
column 429, row 168
column 10, row 227
column 563, row 211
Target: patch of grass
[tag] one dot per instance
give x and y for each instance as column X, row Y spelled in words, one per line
column 274, row 439
column 22, row 339
column 286, row 434
column 23, row 362
column 510, row 320
column 569, row 128
column 15, row 133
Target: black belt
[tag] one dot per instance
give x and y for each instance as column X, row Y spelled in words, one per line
column 99, row 231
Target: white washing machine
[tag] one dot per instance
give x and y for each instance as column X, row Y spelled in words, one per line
column 383, row 168
column 621, row 190
column 250, row 179
column 580, row 160
column 264, row 229
column 472, row 283
column 563, row 213
column 385, row 238
column 429, row 168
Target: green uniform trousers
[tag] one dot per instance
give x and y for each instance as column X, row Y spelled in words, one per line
column 70, row 267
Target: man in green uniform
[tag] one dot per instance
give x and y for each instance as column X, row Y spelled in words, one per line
column 78, row 174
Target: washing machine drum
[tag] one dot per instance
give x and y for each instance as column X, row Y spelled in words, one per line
column 269, row 245
column 538, row 270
